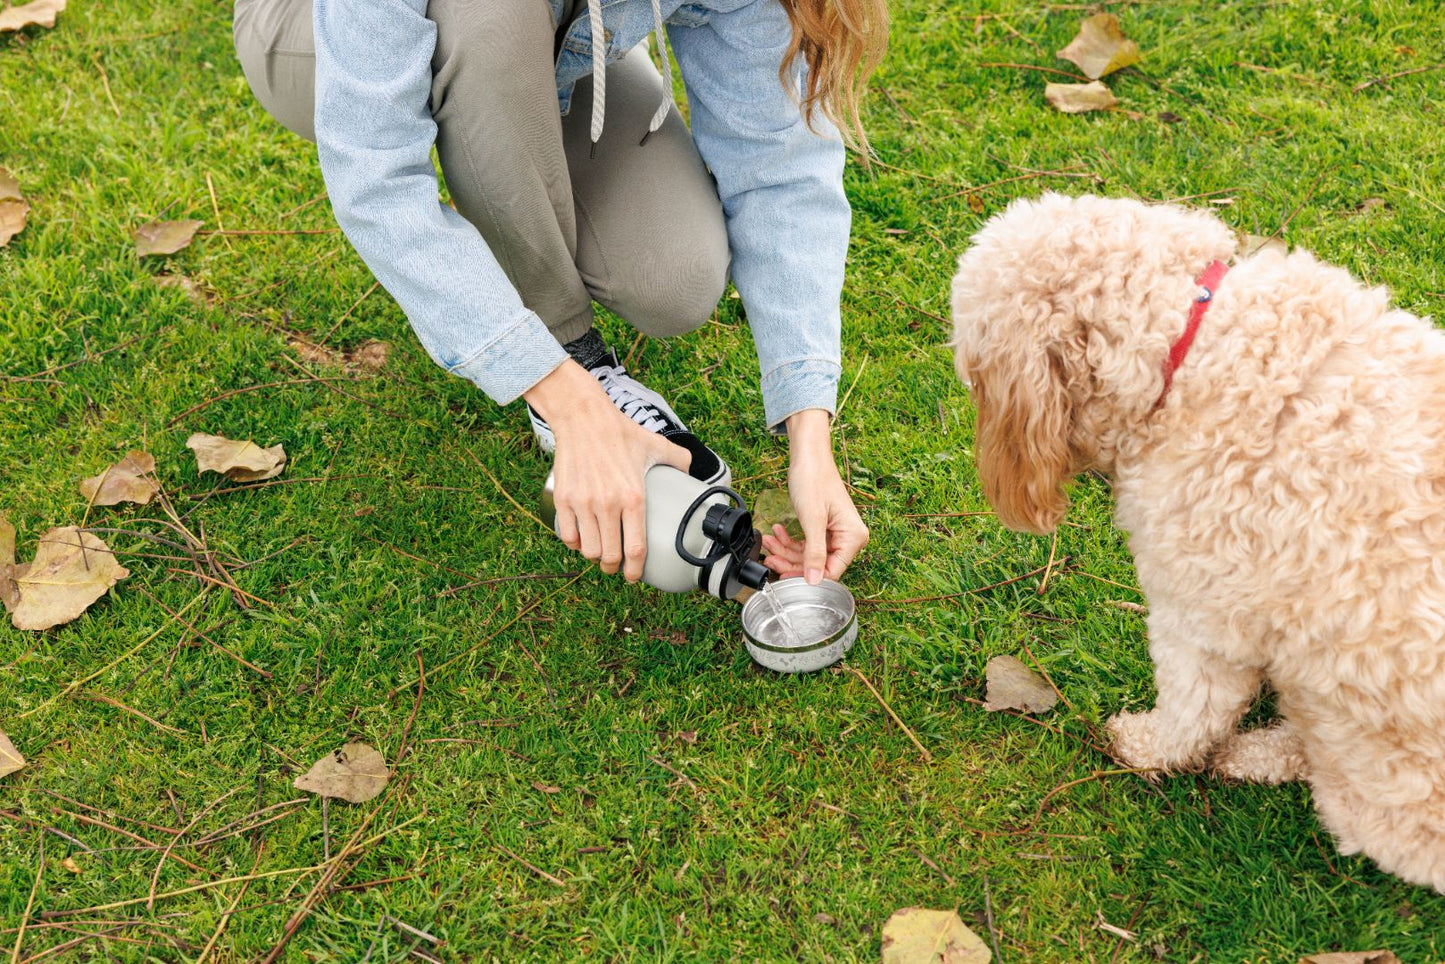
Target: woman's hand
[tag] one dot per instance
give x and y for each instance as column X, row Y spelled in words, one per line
column 833, row 532
column 602, row 457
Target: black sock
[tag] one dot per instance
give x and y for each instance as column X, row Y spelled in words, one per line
column 588, row 350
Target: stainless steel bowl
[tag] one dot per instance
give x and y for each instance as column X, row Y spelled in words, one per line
column 823, row 621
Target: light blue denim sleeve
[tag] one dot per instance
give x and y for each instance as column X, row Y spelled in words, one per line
column 781, row 185
column 374, row 135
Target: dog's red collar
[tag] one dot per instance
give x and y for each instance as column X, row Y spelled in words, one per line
column 1209, row 281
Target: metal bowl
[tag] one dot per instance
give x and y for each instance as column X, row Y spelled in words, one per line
column 823, row 621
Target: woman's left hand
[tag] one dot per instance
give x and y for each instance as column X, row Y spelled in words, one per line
column 833, row 532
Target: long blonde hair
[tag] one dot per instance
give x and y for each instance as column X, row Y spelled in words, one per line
column 842, row 42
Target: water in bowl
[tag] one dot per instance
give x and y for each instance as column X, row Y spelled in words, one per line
column 803, row 626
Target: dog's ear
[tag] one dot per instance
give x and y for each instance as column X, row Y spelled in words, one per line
column 1021, row 440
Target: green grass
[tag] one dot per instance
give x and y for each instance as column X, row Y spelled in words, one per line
column 802, row 799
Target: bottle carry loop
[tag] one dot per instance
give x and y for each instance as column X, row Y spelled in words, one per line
column 722, row 551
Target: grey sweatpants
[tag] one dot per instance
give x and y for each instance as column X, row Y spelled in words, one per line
column 638, row 228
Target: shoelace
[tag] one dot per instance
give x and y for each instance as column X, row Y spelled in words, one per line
column 638, row 409
column 599, row 70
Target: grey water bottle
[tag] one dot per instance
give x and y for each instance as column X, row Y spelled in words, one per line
column 699, row 536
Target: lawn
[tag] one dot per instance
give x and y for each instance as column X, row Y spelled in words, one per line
column 591, row 769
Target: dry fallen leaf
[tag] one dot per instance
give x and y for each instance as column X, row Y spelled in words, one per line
column 129, row 480
column 69, row 864
column 915, row 935
column 9, row 592
column 40, row 13
column 975, row 204
column 1100, row 48
column 14, row 211
column 370, row 355
column 71, row 570
column 1352, row 957
column 188, row 286
column 355, row 773
column 541, row 787
column 1256, row 243
column 1079, row 98
column 237, row 461
column 10, row 758
column 1013, row 686
column 164, row 237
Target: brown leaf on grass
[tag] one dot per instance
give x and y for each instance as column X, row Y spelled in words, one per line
column 9, row 592
column 775, row 506
column 1013, row 686
column 1256, row 243
column 1079, row 98
column 164, row 237
column 1371, row 204
column 237, row 461
column 39, row 13
column 1352, row 957
column 369, row 355
column 10, row 758
column 541, row 787
column 70, row 571
column 189, row 286
column 129, row 480
column 355, row 773
column 915, row 935
column 1100, row 47
column 14, row 211
column 70, row 864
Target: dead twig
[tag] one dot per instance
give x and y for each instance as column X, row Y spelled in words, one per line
column 677, row 773
column 87, row 357
column 357, row 304
column 1049, row 566
column 160, row 864
column 988, row 919
column 240, row 391
column 226, row 917
column 111, row 701
column 1095, row 775
column 320, row 889
column 453, row 590
column 29, row 906
column 1389, row 77
column 549, row 878
column 1079, row 78
column 77, row 684
column 967, row 592
column 927, row 757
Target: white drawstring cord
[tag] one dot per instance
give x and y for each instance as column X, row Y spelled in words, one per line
column 599, row 71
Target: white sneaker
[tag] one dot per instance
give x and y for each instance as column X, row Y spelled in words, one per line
column 648, row 409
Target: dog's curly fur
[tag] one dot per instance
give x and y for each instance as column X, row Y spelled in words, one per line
column 1285, row 503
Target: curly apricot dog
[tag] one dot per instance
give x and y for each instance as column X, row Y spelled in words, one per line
column 1277, row 451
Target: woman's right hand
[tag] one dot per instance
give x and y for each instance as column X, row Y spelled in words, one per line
column 601, row 460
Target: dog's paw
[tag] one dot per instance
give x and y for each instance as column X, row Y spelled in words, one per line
column 1269, row 755
column 1132, row 743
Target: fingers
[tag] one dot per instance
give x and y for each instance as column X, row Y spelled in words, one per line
column 846, row 545
column 815, row 546
column 785, row 554
column 567, row 528
column 634, row 536
column 591, row 536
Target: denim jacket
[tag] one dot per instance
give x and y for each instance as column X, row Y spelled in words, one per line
column 781, row 185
